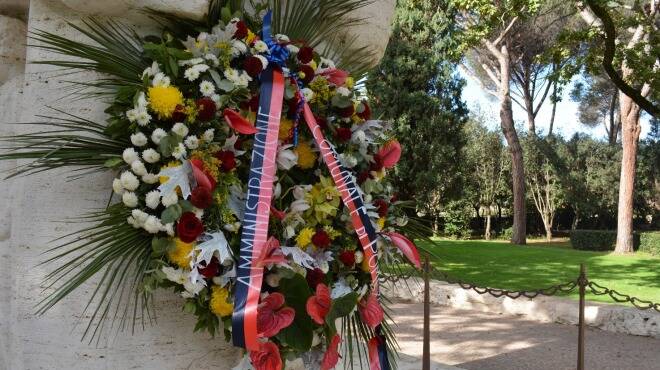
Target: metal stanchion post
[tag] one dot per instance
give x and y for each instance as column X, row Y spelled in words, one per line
column 582, row 282
column 426, row 354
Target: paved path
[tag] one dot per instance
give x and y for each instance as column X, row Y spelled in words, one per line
column 475, row 340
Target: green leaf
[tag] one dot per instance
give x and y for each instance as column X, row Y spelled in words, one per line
column 160, row 246
column 341, row 307
column 171, row 213
column 341, row 101
column 113, row 162
column 225, row 85
column 299, row 334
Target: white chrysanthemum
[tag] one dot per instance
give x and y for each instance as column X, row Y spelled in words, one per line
column 348, row 160
column 129, row 181
column 293, row 49
column 152, row 199
column 308, row 94
column 170, row 199
column 180, row 129
column 263, row 60
column 117, row 187
column 138, row 168
column 158, row 135
column 260, row 46
column 206, row 88
column 160, row 80
column 191, row 74
column 132, row 115
column 139, row 139
column 343, row 91
column 130, row 155
column 139, row 216
column 130, row 199
column 150, row 155
column 143, row 117
column 192, row 142
column 152, row 224
column 231, row 74
column 208, row 135
column 238, row 48
column 150, row 178
column 179, row 151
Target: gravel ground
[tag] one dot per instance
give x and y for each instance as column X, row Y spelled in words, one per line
column 476, row 340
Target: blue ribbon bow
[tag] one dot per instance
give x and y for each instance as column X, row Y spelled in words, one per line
column 278, row 53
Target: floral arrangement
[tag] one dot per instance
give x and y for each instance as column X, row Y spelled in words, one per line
column 271, row 260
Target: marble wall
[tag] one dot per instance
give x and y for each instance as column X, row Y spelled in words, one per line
column 29, row 208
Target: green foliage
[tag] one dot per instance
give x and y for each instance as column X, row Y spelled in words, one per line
column 457, row 216
column 649, row 242
column 597, row 240
column 299, row 334
column 416, row 88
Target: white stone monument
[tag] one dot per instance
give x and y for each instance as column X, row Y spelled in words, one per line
column 31, row 206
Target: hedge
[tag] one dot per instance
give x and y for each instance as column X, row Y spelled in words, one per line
column 649, row 242
column 598, row 240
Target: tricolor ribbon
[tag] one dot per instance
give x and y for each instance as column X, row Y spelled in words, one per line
column 257, row 210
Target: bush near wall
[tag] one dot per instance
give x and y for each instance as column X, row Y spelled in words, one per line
column 649, row 242
column 598, row 240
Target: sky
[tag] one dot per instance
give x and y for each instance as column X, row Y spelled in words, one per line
column 566, row 117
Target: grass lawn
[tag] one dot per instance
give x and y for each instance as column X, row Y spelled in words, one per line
column 500, row 264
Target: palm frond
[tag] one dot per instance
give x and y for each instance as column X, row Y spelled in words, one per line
column 75, row 142
column 112, row 249
column 115, row 50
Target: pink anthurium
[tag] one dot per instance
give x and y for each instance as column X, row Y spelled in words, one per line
column 200, row 175
column 406, row 247
column 335, row 76
column 277, row 213
column 390, row 153
column 272, row 316
column 370, row 310
column 331, row 356
column 374, row 355
column 271, row 253
column 238, row 122
column 318, row 305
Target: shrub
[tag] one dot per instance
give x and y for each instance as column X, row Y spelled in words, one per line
column 457, row 219
column 649, row 242
column 506, row 233
column 597, row 240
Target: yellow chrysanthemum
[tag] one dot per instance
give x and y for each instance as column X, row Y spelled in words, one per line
column 306, row 156
column 163, row 100
column 285, row 129
column 181, row 253
column 350, row 82
column 381, row 223
column 250, row 37
column 219, row 301
column 304, row 237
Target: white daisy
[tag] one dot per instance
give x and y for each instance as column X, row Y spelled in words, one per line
column 150, row 178
column 138, row 168
column 180, row 129
column 206, row 88
column 192, row 142
column 179, row 151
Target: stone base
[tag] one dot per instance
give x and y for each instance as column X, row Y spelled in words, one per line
column 609, row 317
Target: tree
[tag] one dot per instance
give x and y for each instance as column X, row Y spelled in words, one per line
column 484, row 169
column 486, row 31
column 416, row 88
column 598, row 100
column 543, row 166
column 631, row 62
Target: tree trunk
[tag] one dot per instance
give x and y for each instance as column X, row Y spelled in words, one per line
column 517, row 167
column 576, row 219
column 554, row 110
column 613, row 131
column 487, row 232
column 529, row 104
column 547, row 223
column 630, row 130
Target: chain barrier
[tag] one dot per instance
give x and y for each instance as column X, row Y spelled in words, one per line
column 553, row 290
column 640, row 304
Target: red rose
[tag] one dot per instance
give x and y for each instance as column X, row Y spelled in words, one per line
column 366, row 113
column 305, row 54
column 267, row 357
column 347, row 258
column 253, row 66
column 314, row 277
column 179, row 114
column 382, row 206
column 394, row 198
column 308, row 72
column 362, row 177
column 241, row 30
column 211, row 270
column 322, row 122
column 377, row 164
column 318, row 305
column 201, row 197
column 331, row 356
column 347, row 112
column 344, row 134
column 321, row 239
column 205, row 109
column 189, row 227
column 228, row 160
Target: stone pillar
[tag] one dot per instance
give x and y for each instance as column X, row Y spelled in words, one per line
column 32, row 208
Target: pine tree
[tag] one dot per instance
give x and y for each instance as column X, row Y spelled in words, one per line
column 418, row 90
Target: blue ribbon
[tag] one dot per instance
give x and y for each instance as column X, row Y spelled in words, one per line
column 278, row 53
